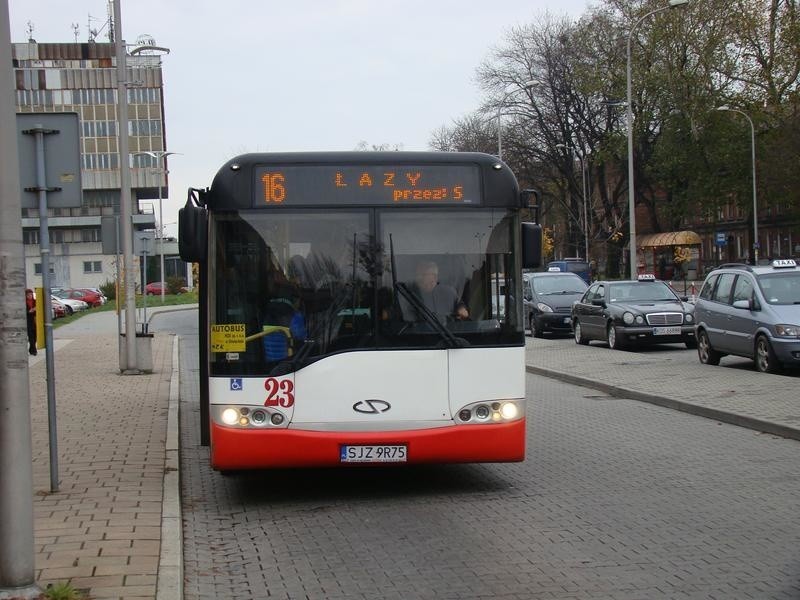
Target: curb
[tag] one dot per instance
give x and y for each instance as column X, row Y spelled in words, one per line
column 170, row 562
column 687, row 407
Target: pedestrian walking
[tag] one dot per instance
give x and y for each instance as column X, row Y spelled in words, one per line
column 30, row 313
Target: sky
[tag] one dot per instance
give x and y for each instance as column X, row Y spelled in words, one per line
column 299, row 75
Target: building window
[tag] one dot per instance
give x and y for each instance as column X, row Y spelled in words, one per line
column 90, row 235
column 92, row 266
column 37, row 269
column 30, row 236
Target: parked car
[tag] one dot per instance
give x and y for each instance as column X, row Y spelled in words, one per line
column 71, row 304
column 59, row 308
column 91, row 298
column 548, row 299
column 752, row 312
column 97, row 291
column 580, row 267
column 625, row 313
column 154, row 288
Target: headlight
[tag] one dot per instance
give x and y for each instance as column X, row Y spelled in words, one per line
column 639, row 320
column 230, row 416
column 543, row 307
column 509, row 410
column 788, row 330
column 689, row 318
column 628, row 318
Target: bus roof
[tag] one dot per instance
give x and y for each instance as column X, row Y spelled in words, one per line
column 315, row 179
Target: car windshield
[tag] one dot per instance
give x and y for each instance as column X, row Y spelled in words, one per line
column 781, row 288
column 559, row 284
column 636, row 291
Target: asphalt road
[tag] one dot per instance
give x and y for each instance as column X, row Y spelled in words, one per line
column 617, row 499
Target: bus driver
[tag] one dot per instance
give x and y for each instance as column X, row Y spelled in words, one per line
column 441, row 299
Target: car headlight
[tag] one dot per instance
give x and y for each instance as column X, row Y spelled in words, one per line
column 689, row 318
column 788, row 330
column 628, row 318
column 639, row 320
column 543, row 307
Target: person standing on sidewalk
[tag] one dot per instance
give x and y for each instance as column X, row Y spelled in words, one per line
column 30, row 313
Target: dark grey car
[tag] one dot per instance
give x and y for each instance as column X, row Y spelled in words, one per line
column 752, row 312
column 548, row 299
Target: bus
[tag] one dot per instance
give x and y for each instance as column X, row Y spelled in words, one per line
column 319, row 346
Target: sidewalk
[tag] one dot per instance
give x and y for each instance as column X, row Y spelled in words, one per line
column 727, row 393
column 102, row 530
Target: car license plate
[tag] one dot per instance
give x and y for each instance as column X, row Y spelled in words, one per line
column 373, row 453
column 666, row 330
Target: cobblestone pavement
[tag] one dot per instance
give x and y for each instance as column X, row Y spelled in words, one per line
column 101, row 530
column 617, row 500
column 672, row 376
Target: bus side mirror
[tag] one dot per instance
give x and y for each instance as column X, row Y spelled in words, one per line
column 531, row 245
column 192, row 230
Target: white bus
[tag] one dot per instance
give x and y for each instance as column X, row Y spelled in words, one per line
column 320, row 345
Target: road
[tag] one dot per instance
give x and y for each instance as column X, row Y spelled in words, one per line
column 617, row 499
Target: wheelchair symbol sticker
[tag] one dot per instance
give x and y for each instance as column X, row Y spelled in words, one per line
column 236, row 384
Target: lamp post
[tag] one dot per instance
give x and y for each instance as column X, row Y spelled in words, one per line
column 161, row 157
column 753, row 157
column 629, row 118
column 525, row 86
column 585, row 209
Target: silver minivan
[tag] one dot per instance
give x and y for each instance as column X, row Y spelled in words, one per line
column 750, row 311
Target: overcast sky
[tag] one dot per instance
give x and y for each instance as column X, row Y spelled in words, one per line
column 253, row 75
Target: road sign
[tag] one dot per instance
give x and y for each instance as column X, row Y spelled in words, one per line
column 721, row 238
column 62, row 159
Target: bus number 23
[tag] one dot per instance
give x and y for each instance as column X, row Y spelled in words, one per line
column 280, row 392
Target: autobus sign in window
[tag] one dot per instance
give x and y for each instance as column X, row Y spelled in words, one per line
column 436, row 184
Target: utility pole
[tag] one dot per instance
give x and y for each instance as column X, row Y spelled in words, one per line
column 125, row 208
column 17, row 574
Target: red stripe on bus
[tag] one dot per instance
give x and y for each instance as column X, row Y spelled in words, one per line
column 254, row 449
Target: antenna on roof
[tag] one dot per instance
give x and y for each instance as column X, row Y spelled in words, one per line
column 76, row 31
column 110, row 21
column 30, row 32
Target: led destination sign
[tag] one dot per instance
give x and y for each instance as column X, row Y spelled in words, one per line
column 366, row 184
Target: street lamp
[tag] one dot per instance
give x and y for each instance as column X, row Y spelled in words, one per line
column 585, row 209
column 161, row 157
column 629, row 110
column 525, row 86
column 753, row 155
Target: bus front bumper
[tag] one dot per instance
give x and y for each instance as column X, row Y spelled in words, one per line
column 233, row 449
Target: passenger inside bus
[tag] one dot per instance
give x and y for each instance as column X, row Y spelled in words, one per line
column 284, row 324
column 441, row 299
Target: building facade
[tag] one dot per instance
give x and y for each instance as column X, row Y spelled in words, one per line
column 82, row 78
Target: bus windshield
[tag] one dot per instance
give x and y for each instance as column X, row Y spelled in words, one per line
column 306, row 284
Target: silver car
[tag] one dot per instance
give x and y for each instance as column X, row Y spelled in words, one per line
column 752, row 312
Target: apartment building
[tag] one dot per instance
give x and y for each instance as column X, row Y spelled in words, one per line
column 82, row 78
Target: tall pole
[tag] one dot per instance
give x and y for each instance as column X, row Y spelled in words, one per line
column 574, row 151
column 525, row 86
column 17, row 573
column 633, row 254
column 126, row 213
column 161, row 157
column 753, row 161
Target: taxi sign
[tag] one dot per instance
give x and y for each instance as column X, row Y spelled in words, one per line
column 646, row 277
column 783, row 263
column 553, row 270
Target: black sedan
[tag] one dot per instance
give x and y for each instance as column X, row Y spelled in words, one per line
column 625, row 313
column 548, row 299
